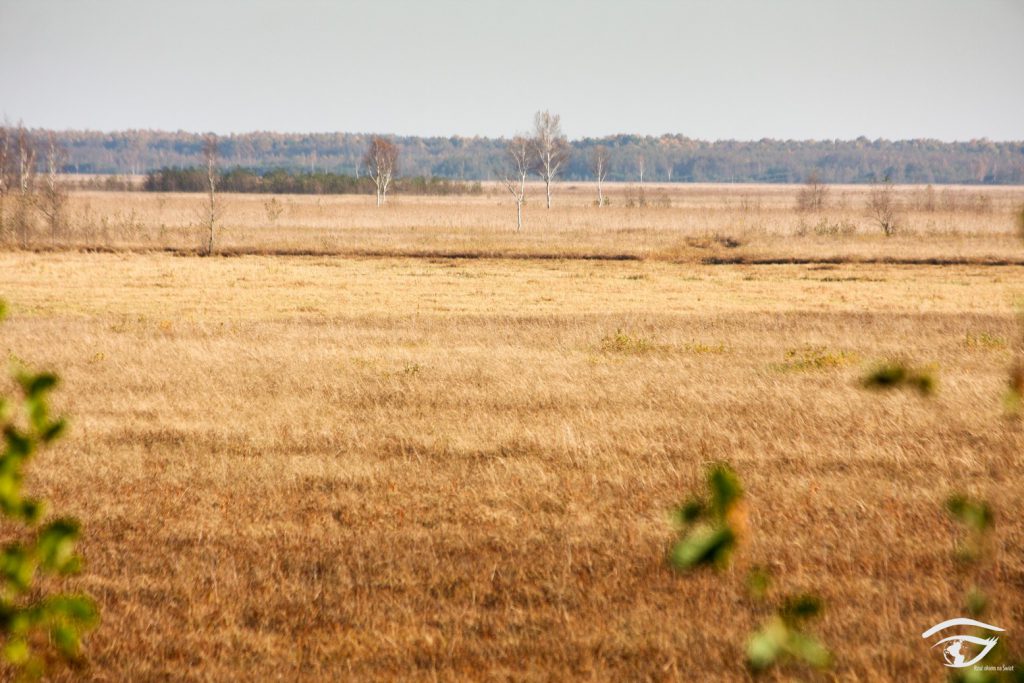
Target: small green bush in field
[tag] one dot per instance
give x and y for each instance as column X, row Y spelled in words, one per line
column 32, row 618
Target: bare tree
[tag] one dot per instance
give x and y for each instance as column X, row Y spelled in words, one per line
column 212, row 208
column 550, row 148
column 811, row 196
column 6, row 176
column 54, row 197
column 17, row 178
column 883, row 208
column 599, row 164
column 520, row 158
column 26, row 161
column 381, row 162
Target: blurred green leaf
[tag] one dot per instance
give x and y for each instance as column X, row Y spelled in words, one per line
column 16, row 651
column 892, row 375
column 976, row 602
column 690, row 512
column 797, row 608
column 764, row 649
column 76, row 608
column 704, row 546
column 725, row 488
column 56, row 543
column 759, row 581
column 976, row 515
column 808, row 649
column 66, row 639
column 41, row 383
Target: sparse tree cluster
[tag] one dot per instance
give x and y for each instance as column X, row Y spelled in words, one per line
column 545, row 153
column 22, row 201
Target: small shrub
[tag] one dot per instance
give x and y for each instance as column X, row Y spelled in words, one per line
column 983, row 340
column 623, row 342
column 702, row 348
column 811, row 197
column 273, row 208
column 840, row 228
column 816, row 358
column 883, row 208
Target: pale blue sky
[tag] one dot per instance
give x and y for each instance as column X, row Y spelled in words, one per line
column 744, row 69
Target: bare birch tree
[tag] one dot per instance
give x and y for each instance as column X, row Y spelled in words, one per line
column 212, row 208
column 599, row 164
column 54, row 196
column 6, row 176
column 520, row 157
column 550, row 148
column 381, row 162
column 17, row 177
column 26, row 161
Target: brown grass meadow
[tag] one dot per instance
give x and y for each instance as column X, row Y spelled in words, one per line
column 411, row 444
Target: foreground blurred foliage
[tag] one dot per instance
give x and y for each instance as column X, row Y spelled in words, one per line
column 896, row 375
column 781, row 637
column 32, row 618
column 711, row 529
column 977, row 519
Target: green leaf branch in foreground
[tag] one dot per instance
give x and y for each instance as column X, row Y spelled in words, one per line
column 31, row 620
column 711, row 529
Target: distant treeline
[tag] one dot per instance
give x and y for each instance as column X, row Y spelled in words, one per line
column 279, row 181
column 664, row 158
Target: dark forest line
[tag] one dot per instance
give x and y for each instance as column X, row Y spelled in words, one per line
column 279, row 181
column 673, row 158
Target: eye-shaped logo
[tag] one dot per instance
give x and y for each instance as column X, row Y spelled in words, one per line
column 954, row 648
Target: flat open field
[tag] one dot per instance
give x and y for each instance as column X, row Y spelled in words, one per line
column 370, row 466
column 678, row 223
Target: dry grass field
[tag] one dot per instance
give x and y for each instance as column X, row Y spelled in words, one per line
column 377, row 462
column 679, row 223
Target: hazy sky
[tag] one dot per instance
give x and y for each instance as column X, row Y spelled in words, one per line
column 744, row 69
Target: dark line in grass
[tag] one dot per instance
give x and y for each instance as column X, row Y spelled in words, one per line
column 841, row 260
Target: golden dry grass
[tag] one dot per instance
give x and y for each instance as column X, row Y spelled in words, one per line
column 681, row 223
column 321, row 468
